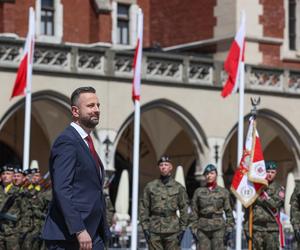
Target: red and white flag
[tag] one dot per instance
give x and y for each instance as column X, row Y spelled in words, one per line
column 234, row 59
column 250, row 176
column 137, row 63
column 24, row 73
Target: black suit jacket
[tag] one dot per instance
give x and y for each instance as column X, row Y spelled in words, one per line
column 78, row 201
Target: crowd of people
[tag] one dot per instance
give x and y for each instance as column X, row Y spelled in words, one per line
column 75, row 213
column 24, row 199
column 209, row 214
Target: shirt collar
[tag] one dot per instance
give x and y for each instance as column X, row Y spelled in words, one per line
column 80, row 130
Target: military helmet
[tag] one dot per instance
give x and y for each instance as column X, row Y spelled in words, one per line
column 271, row 165
column 210, row 168
column 164, row 158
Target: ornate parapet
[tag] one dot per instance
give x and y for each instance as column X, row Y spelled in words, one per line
column 160, row 68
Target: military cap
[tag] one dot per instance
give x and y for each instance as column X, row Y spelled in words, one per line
column 7, row 167
column 18, row 170
column 27, row 171
column 34, row 171
column 210, row 168
column 271, row 165
column 164, row 158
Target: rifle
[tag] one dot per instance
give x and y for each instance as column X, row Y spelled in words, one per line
column 4, row 215
column 8, row 216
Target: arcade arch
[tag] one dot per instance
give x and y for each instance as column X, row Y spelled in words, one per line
column 280, row 142
column 50, row 114
column 166, row 128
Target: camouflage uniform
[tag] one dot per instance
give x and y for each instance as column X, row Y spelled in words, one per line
column 158, row 213
column 2, row 197
column 109, row 210
column 32, row 240
column 11, row 230
column 265, row 228
column 295, row 212
column 207, row 221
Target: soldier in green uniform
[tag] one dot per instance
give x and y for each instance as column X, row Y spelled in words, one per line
column 209, row 227
column 266, row 212
column 161, row 199
column 26, row 215
column 295, row 212
column 32, row 240
column 12, row 207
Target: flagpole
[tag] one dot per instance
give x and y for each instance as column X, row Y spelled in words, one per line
column 137, row 122
column 26, row 149
column 239, row 226
column 135, row 187
column 250, row 242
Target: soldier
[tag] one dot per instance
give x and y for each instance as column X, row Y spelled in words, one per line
column 11, row 208
column 209, row 228
column 266, row 213
column 161, row 199
column 18, row 177
column 38, row 203
column 295, row 212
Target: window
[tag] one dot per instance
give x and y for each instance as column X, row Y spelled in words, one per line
column 292, row 24
column 123, row 24
column 47, row 18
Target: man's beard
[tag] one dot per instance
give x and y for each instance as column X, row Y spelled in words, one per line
column 88, row 122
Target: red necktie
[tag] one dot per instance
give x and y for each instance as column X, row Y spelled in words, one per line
column 92, row 150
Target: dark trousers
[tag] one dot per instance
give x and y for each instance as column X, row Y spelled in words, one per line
column 72, row 245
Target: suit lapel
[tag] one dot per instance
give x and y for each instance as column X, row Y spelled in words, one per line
column 88, row 153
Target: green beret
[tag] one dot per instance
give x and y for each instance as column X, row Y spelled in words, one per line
column 210, row 168
column 271, row 165
column 164, row 158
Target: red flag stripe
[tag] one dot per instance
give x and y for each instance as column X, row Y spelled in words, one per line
column 21, row 79
column 231, row 66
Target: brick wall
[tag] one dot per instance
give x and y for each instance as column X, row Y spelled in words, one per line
column 145, row 6
column 176, row 22
column 273, row 21
column 272, row 18
column 14, row 17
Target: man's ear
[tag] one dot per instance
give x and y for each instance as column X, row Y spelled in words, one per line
column 75, row 111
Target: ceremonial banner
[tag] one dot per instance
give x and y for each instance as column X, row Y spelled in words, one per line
column 249, row 178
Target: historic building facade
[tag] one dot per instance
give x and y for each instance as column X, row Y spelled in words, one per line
column 82, row 42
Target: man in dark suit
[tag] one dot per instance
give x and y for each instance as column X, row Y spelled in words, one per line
column 76, row 217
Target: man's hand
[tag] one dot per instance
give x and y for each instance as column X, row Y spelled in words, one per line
column 84, row 239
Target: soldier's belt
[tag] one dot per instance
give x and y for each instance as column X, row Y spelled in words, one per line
column 164, row 213
column 211, row 216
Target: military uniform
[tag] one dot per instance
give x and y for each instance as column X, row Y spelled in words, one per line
column 12, row 204
column 109, row 210
column 207, row 221
column 158, row 216
column 32, row 240
column 295, row 212
column 265, row 209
